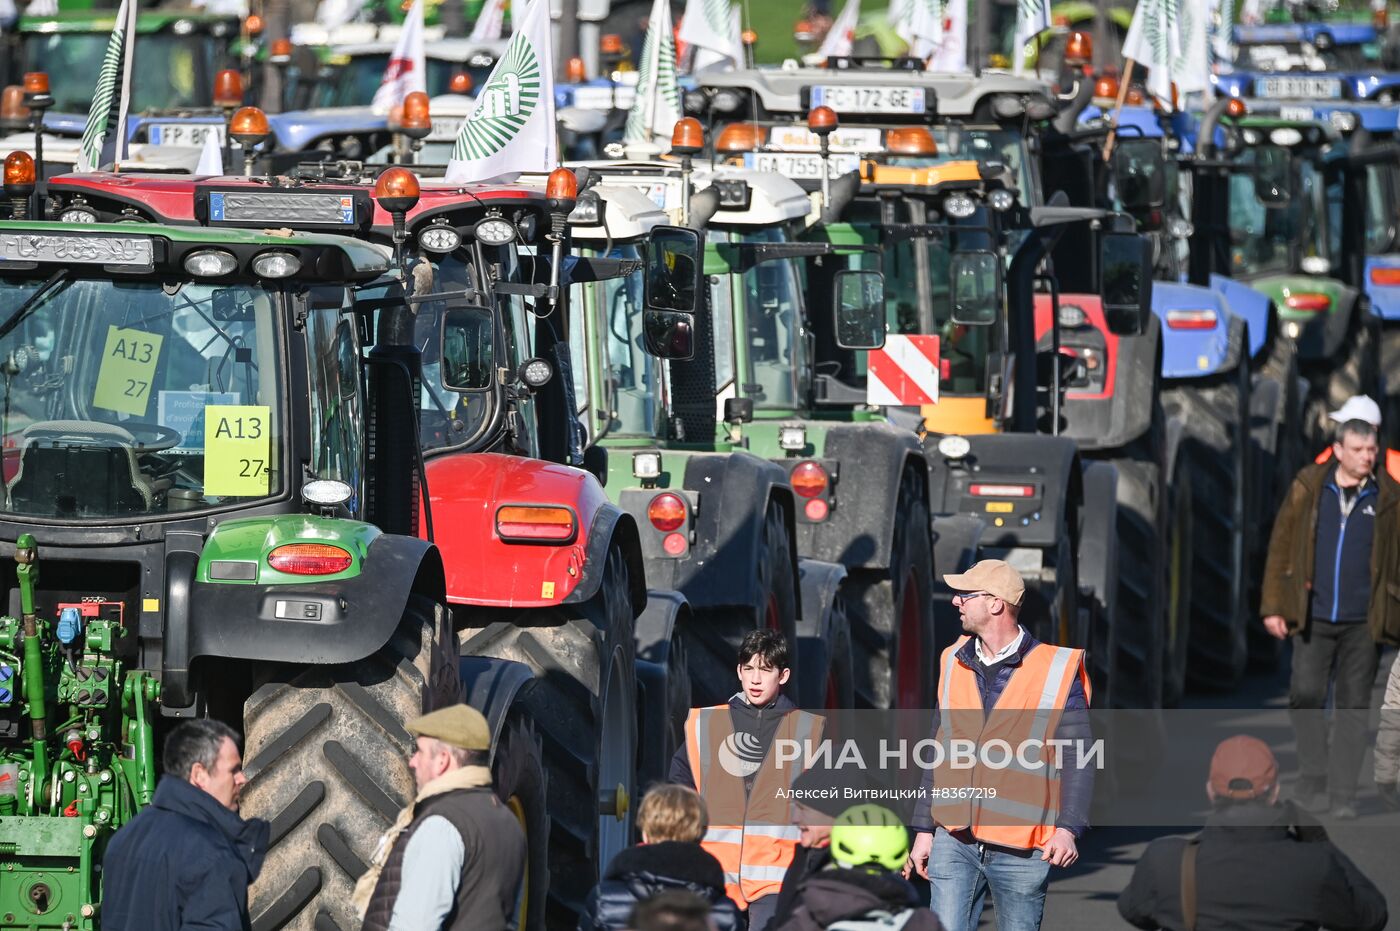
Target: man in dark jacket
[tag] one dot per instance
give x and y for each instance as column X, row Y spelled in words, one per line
column 454, row 859
column 186, row 860
column 1257, row 864
column 1330, row 581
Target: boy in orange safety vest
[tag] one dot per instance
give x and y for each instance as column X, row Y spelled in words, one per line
column 727, row 758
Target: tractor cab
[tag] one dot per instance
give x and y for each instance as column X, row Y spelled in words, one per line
column 1304, row 61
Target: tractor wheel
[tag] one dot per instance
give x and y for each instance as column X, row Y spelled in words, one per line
column 1216, row 424
column 1180, row 630
column 824, row 648
column 327, row 765
column 1355, row 370
column 517, row 771
column 666, row 704
column 1390, row 404
column 891, row 612
column 583, row 704
column 715, row 636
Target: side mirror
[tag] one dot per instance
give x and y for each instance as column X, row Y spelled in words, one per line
column 674, row 270
column 860, row 309
column 1273, row 175
column 976, row 287
column 1125, row 265
column 1140, row 174
column 468, row 348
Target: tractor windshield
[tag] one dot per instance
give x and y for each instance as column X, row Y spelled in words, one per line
column 633, row 377
column 1276, row 238
column 169, row 72
column 354, row 83
column 985, row 145
column 1300, row 56
column 768, row 314
column 125, row 399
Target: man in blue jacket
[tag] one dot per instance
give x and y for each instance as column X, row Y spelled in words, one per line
column 187, row 860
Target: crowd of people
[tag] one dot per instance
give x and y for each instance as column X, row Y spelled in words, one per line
column 725, row 847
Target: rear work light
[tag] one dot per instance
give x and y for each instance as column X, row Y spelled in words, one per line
column 309, row 559
column 1191, row 319
column 809, row 480
column 1308, row 301
column 667, row 512
column 1389, row 276
column 1002, row 491
column 530, row 524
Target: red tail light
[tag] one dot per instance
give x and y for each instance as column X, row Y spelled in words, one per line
column 1308, row 301
column 809, row 480
column 535, row 524
column 1002, row 491
column 1390, row 276
column 1191, row 319
column 309, row 559
column 667, row 512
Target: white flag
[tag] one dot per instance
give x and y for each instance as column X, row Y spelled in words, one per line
column 491, row 23
column 1032, row 18
column 211, row 158
column 923, row 31
column 841, row 37
column 511, row 126
column 333, row 14
column 657, row 107
column 1222, row 37
column 1158, row 40
column 407, row 67
column 1252, row 13
column 706, row 30
column 104, row 135
column 951, row 55
column 1191, row 72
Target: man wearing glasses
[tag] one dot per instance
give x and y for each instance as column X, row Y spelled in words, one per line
column 998, row 823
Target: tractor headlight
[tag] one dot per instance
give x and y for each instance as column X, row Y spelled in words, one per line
column 276, row 265
column 440, row 238
column 959, row 206
column 726, row 101
column 792, row 439
column 536, row 373
column 954, row 447
column 494, row 231
column 78, row 215
column 210, row 263
column 1001, row 200
column 646, row 465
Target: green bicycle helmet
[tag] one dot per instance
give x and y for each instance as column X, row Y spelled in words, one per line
column 865, row 834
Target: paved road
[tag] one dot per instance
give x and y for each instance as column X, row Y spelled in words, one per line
column 1083, row 897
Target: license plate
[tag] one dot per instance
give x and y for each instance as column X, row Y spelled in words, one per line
column 856, row 99
column 80, row 250
column 800, row 139
column 445, row 129
column 800, row 167
column 1000, row 507
column 187, row 134
column 1318, row 88
column 1296, row 113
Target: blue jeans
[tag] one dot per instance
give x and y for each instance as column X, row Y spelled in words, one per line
column 960, row 874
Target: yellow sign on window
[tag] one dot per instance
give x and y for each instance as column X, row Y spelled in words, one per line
column 127, row 369
column 237, row 442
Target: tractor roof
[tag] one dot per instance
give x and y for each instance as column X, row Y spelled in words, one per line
column 1339, row 33
column 456, row 50
column 147, row 21
column 789, row 90
column 925, row 180
column 747, row 198
column 630, row 214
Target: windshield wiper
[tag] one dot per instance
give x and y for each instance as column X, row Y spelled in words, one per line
column 18, row 316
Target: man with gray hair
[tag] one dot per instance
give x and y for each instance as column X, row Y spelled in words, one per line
column 1334, row 558
column 186, row 860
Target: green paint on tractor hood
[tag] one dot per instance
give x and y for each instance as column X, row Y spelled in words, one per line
column 1280, row 287
column 251, row 539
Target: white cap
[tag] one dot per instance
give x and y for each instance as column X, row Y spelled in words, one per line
column 1358, row 407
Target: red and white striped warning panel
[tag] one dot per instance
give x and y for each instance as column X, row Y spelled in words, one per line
column 905, row 372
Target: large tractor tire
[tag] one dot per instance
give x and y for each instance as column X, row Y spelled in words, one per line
column 713, row 642
column 327, row 765
column 518, row 774
column 824, row 649
column 1390, row 403
column 1356, row 369
column 1096, row 563
column 891, row 612
column 583, row 704
column 665, row 699
column 1215, row 420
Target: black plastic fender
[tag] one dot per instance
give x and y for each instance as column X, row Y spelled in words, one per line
column 315, row 623
column 956, row 538
column 820, row 582
column 665, row 611
column 611, row 525
column 1323, row 336
column 1115, row 421
column 1049, row 461
column 1098, row 559
column 871, row 458
column 490, row 686
column 733, row 491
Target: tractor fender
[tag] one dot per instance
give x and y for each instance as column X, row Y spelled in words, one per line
column 956, row 538
column 820, row 582
column 1098, row 536
column 1196, row 352
column 315, row 623
column 1248, row 305
column 1051, row 463
column 1385, row 298
column 490, row 686
column 1320, row 333
column 466, row 490
column 870, row 461
column 729, row 494
column 666, row 611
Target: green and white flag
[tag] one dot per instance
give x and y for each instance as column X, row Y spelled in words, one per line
column 841, row 37
column 657, row 106
column 1169, row 39
column 1032, row 18
column 510, row 129
column 922, row 31
column 706, row 30
column 104, row 137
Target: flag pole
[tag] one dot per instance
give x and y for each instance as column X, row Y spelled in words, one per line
column 1118, row 109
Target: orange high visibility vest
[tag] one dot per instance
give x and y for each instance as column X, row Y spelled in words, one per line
column 752, row 835
column 1392, row 461
column 1014, row 801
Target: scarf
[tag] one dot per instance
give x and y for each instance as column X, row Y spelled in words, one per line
column 464, row 777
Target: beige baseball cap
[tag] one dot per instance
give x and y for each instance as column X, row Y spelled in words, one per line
column 456, row 725
column 992, row 576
